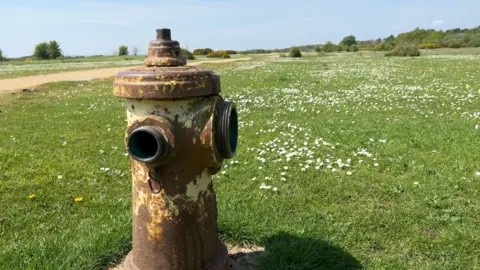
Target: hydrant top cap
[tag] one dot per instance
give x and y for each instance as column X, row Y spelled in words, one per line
column 164, row 52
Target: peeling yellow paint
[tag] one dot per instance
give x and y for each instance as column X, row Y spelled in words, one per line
column 202, row 84
column 193, row 190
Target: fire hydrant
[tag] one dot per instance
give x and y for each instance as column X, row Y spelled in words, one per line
column 179, row 132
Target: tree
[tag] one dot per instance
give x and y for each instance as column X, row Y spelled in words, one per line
column 135, row 51
column 1, row 55
column 123, row 50
column 41, row 51
column 349, row 41
column 54, row 50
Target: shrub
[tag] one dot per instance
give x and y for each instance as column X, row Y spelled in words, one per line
column 187, row 54
column 123, row 50
column 434, row 37
column 199, row 52
column 454, row 45
column 430, row 46
column 348, row 48
column 205, row 51
column 218, row 54
column 340, row 48
column 405, row 49
column 387, row 46
column 295, row 52
column 283, row 55
column 456, row 38
column 474, row 41
column 329, row 47
column 318, row 49
column 225, row 54
column 41, row 51
column 231, row 52
column 355, row 48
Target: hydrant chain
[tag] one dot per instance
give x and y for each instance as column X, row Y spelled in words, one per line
column 154, row 183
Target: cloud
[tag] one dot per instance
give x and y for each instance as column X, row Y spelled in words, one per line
column 438, row 22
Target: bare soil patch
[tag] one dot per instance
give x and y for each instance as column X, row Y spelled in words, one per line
column 28, row 82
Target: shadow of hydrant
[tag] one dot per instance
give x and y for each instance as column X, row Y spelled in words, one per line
column 286, row 251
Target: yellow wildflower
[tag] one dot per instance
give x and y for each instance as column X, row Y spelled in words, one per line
column 78, row 199
column 31, row 196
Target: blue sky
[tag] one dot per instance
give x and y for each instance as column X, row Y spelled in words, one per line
column 100, row 26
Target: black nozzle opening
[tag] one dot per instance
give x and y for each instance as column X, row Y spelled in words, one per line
column 164, row 33
column 226, row 129
column 146, row 144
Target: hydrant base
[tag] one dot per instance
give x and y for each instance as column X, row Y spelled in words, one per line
column 220, row 263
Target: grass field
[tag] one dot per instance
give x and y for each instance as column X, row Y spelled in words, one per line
column 345, row 161
column 13, row 69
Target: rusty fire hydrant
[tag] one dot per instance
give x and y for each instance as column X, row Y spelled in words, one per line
column 179, row 132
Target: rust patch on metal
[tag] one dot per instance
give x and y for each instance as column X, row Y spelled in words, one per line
column 166, row 83
column 164, row 51
column 178, row 224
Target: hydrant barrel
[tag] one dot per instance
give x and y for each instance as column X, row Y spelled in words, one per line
column 180, row 130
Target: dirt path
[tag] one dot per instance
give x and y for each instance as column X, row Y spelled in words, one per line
column 17, row 84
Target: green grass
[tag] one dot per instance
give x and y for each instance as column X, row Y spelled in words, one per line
column 14, row 69
column 394, row 140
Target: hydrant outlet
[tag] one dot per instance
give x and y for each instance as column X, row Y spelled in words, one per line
column 146, row 144
column 226, row 129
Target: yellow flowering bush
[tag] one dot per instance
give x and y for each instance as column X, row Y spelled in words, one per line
column 430, row 46
column 219, row 54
